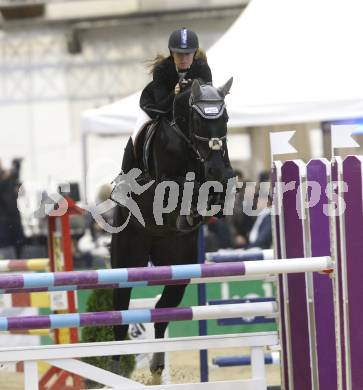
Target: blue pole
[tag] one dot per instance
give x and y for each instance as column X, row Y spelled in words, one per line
column 202, row 300
column 243, row 360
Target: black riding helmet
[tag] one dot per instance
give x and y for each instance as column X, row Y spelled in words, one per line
column 183, row 41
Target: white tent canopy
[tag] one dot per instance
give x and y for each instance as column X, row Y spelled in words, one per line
column 115, row 118
column 292, row 61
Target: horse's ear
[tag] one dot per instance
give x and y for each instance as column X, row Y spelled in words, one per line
column 196, row 90
column 224, row 89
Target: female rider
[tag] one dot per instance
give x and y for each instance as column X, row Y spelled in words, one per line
column 171, row 74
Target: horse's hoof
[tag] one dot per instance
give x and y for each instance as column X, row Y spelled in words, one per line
column 157, row 370
column 157, row 363
column 156, row 376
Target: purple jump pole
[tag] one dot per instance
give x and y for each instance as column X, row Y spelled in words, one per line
column 300, row 359
column 352, row 271
column 75, row 320
column 338, row 229
column 318, row 174
column 279, row 249
column 146, row 275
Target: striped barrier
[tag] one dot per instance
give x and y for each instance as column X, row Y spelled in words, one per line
column 302, row 231
column 40, row 264
column 144, row 276
column 229, row 255
column 266, row 277
column 245, row 360
column 243, row 321
column 150, row 276
column 76, row 320
column 23, row 303
column 318, row 212
column 302, row 227
column 225, row 255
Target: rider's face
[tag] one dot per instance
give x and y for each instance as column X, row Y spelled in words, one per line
column 183, row 60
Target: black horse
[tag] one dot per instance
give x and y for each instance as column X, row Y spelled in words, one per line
column 194, row 144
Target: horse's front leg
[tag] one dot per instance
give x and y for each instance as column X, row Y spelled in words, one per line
column 121, row 301
column 126, row 252
column 171, row 297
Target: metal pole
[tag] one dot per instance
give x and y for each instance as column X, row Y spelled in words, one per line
column 202, row 301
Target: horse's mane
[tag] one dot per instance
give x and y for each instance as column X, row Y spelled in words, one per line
column 181, row 107
column 181, row 103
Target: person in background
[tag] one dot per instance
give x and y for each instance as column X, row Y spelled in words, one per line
column 11, row 229
column 240, row 223
column 217, row 235
column 3, row 216
column 93, row 245
column 260, row 235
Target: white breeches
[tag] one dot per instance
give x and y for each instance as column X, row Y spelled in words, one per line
column 142, row 118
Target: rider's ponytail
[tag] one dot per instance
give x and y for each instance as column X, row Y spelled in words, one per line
column 200, row 54
column 152, row 64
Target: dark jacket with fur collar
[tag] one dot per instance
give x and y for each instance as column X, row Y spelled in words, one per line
column 158, row 95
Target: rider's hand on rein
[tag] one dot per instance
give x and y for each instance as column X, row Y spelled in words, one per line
column 181, row 85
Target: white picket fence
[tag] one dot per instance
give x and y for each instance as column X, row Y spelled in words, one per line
column 66, row 357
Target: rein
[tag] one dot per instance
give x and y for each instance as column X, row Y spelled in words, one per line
column 177, row 130
column 214, row 143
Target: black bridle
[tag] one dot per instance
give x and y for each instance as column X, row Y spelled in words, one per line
column 207, row 109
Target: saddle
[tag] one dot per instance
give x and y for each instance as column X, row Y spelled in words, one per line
column 142, row 145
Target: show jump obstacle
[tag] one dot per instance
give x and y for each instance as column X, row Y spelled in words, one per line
column 24, row 265
column 60, row 259
column 319, row 312
column 321, row 214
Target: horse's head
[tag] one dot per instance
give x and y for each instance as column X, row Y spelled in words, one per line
column 207, row 127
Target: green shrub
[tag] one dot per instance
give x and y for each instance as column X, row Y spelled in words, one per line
column 101, row 300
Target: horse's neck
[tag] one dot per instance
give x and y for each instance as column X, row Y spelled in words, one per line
column 181, row 111
column 171, row 154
